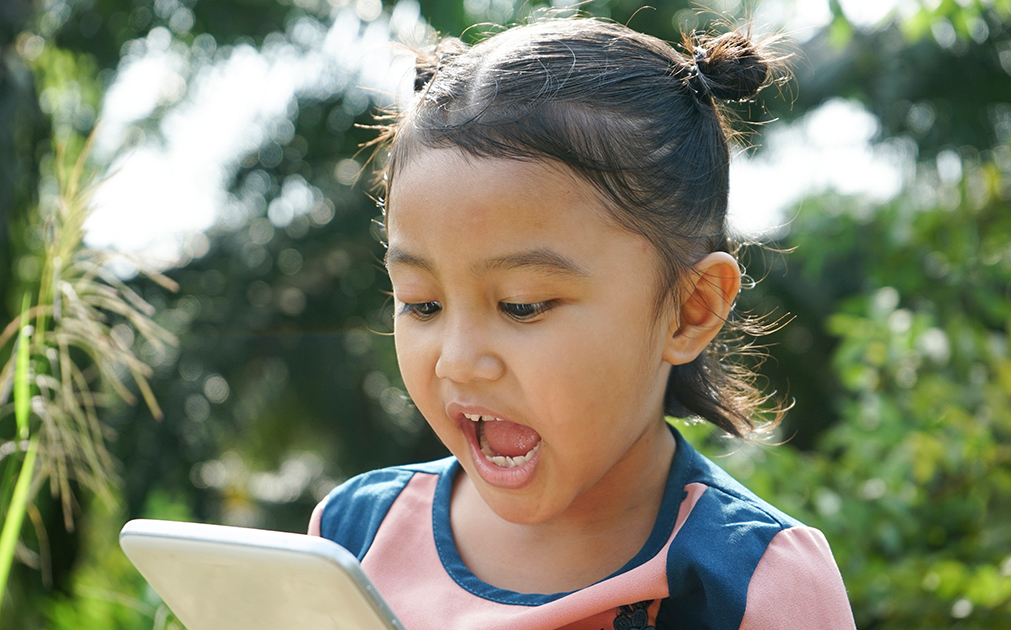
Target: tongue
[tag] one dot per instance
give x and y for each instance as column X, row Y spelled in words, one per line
column 510, row 439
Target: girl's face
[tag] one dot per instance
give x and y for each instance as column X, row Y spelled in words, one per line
column 526, row 325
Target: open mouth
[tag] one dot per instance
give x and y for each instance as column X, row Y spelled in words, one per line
column 504, row 443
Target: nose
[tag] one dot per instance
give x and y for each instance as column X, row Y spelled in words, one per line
column 467, row 353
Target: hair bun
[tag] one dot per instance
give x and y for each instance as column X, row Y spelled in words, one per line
column 728, row 67
column 424, row 70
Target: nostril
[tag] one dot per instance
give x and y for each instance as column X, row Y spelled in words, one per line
column 464, row 365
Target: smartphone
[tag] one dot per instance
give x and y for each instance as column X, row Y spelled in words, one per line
column 215, row 577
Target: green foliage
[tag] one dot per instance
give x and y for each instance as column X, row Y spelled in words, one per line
column 106, row 591
column 22, row 380
column 76, row 349
column 68, row 365
column 18, row 505
column 927, row 416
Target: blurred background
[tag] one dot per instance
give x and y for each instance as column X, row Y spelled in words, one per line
column 231, row 364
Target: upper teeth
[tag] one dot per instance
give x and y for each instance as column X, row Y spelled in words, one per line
column 476, row 417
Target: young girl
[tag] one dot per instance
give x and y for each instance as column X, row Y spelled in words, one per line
column 557, row 243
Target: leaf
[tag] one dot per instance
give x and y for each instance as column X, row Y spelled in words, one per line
column 22, row 392
column 15, row 515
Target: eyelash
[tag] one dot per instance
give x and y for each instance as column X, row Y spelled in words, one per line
column 530, row 311
column 519, row 312
column 421, row 310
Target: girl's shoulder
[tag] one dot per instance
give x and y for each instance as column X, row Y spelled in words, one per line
column 691, row 467
column 737, row 561
column 351, row 513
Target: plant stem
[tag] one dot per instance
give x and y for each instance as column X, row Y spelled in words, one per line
column 19, row 499
column 22, row 391
column 12, row 521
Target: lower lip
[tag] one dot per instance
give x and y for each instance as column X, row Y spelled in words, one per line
column 498, row 476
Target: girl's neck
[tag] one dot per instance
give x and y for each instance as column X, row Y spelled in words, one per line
column 593, row 538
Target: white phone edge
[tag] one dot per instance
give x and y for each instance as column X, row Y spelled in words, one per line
column 260, row 538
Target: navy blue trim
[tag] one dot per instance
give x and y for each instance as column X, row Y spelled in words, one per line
column 449, row 555
column 694, row 467
column 355, row 509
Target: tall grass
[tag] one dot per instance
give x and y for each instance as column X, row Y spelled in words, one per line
column 73, row 356
column 19, row 497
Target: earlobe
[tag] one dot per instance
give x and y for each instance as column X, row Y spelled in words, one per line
column 710, row 289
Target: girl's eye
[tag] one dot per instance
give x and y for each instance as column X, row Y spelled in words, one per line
column 422, row 310
column 523, row 312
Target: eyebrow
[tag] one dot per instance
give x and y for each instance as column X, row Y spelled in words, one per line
column 396, row 256
column 543, row 261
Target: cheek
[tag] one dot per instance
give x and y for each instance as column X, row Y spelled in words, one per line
column 568, row 364
column 411, row 360
column 607, row 353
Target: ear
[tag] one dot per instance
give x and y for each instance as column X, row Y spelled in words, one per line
column 711, row 288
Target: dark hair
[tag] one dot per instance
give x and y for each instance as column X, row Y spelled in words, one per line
column 627, row 113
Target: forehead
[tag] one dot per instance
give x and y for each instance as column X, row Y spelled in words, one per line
column 451, row 209
column 451, row 185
